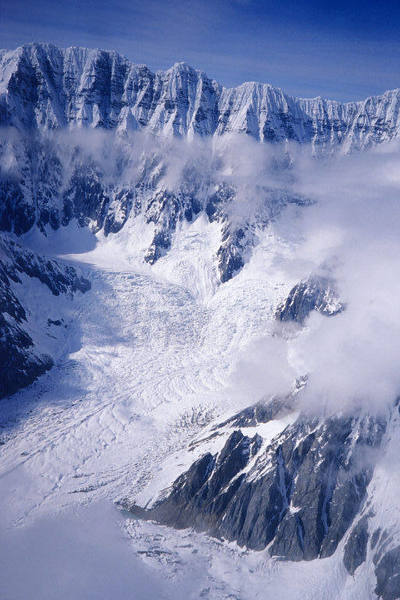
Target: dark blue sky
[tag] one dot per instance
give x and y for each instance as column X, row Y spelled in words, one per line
column 341, row 50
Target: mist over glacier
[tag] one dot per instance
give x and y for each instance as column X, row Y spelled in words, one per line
column 346, row 228
column 343, row 224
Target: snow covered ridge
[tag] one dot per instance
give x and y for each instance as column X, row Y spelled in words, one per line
column 285, row 477
column 45, row 87
column 297, row 492
column 222, row 270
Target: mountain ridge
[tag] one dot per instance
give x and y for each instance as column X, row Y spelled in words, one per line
column 46, row 87
column 184, row 63
column 143, row 359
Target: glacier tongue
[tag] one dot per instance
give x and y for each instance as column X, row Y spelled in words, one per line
column 148, row 372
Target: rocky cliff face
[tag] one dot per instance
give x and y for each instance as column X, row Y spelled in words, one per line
column 24, row 355
column 44, row 87
column 298, row 495
column 304, row 494
column 295, row 484
column 316, row 293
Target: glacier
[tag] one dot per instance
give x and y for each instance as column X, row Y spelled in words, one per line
column 198, row 335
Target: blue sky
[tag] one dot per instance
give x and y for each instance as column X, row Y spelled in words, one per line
column 341, row 50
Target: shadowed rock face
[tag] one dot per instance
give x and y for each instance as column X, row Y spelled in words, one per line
column 387, row 571
column 199, row 496
column 60, row 279
column 355, row 550
column 20, row 361
column 55, row 180
column 20, row 366
column 316, row 293
column 298, row 496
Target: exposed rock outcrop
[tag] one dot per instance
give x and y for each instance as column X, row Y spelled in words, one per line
column 297, row 496
column 316, row 293
column 21, row 362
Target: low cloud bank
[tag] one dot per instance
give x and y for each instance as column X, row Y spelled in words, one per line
column 352, row 232
column 348, row 231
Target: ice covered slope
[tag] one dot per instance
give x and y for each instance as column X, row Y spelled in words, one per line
column 45, row 87
column 147, row 364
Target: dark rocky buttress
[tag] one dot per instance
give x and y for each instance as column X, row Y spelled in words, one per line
column 298, row 496
column 21, row 362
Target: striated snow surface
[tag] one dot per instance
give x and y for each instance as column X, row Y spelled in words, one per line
column 148, row 363
column 153, row 361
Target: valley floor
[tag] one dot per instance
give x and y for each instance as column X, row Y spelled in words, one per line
column 148, row 363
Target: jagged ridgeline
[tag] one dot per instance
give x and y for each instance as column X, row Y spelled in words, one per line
column 100, row 181
column 47, row 87
column 302, row 494
column 49, row 178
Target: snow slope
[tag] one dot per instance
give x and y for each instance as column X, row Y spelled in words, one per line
column 149, row 362
column 155, row 359
column 148, row 365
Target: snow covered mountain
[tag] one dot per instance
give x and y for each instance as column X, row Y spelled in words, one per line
column 188, row 274
column 47, row 181
column 44, row 87
column 303, row 487
column 104, row 182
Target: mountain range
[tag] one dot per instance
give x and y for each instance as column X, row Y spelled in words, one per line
column 43, row 87
column 143, row 249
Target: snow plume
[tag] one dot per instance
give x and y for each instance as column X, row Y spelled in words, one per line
column 352, row 232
